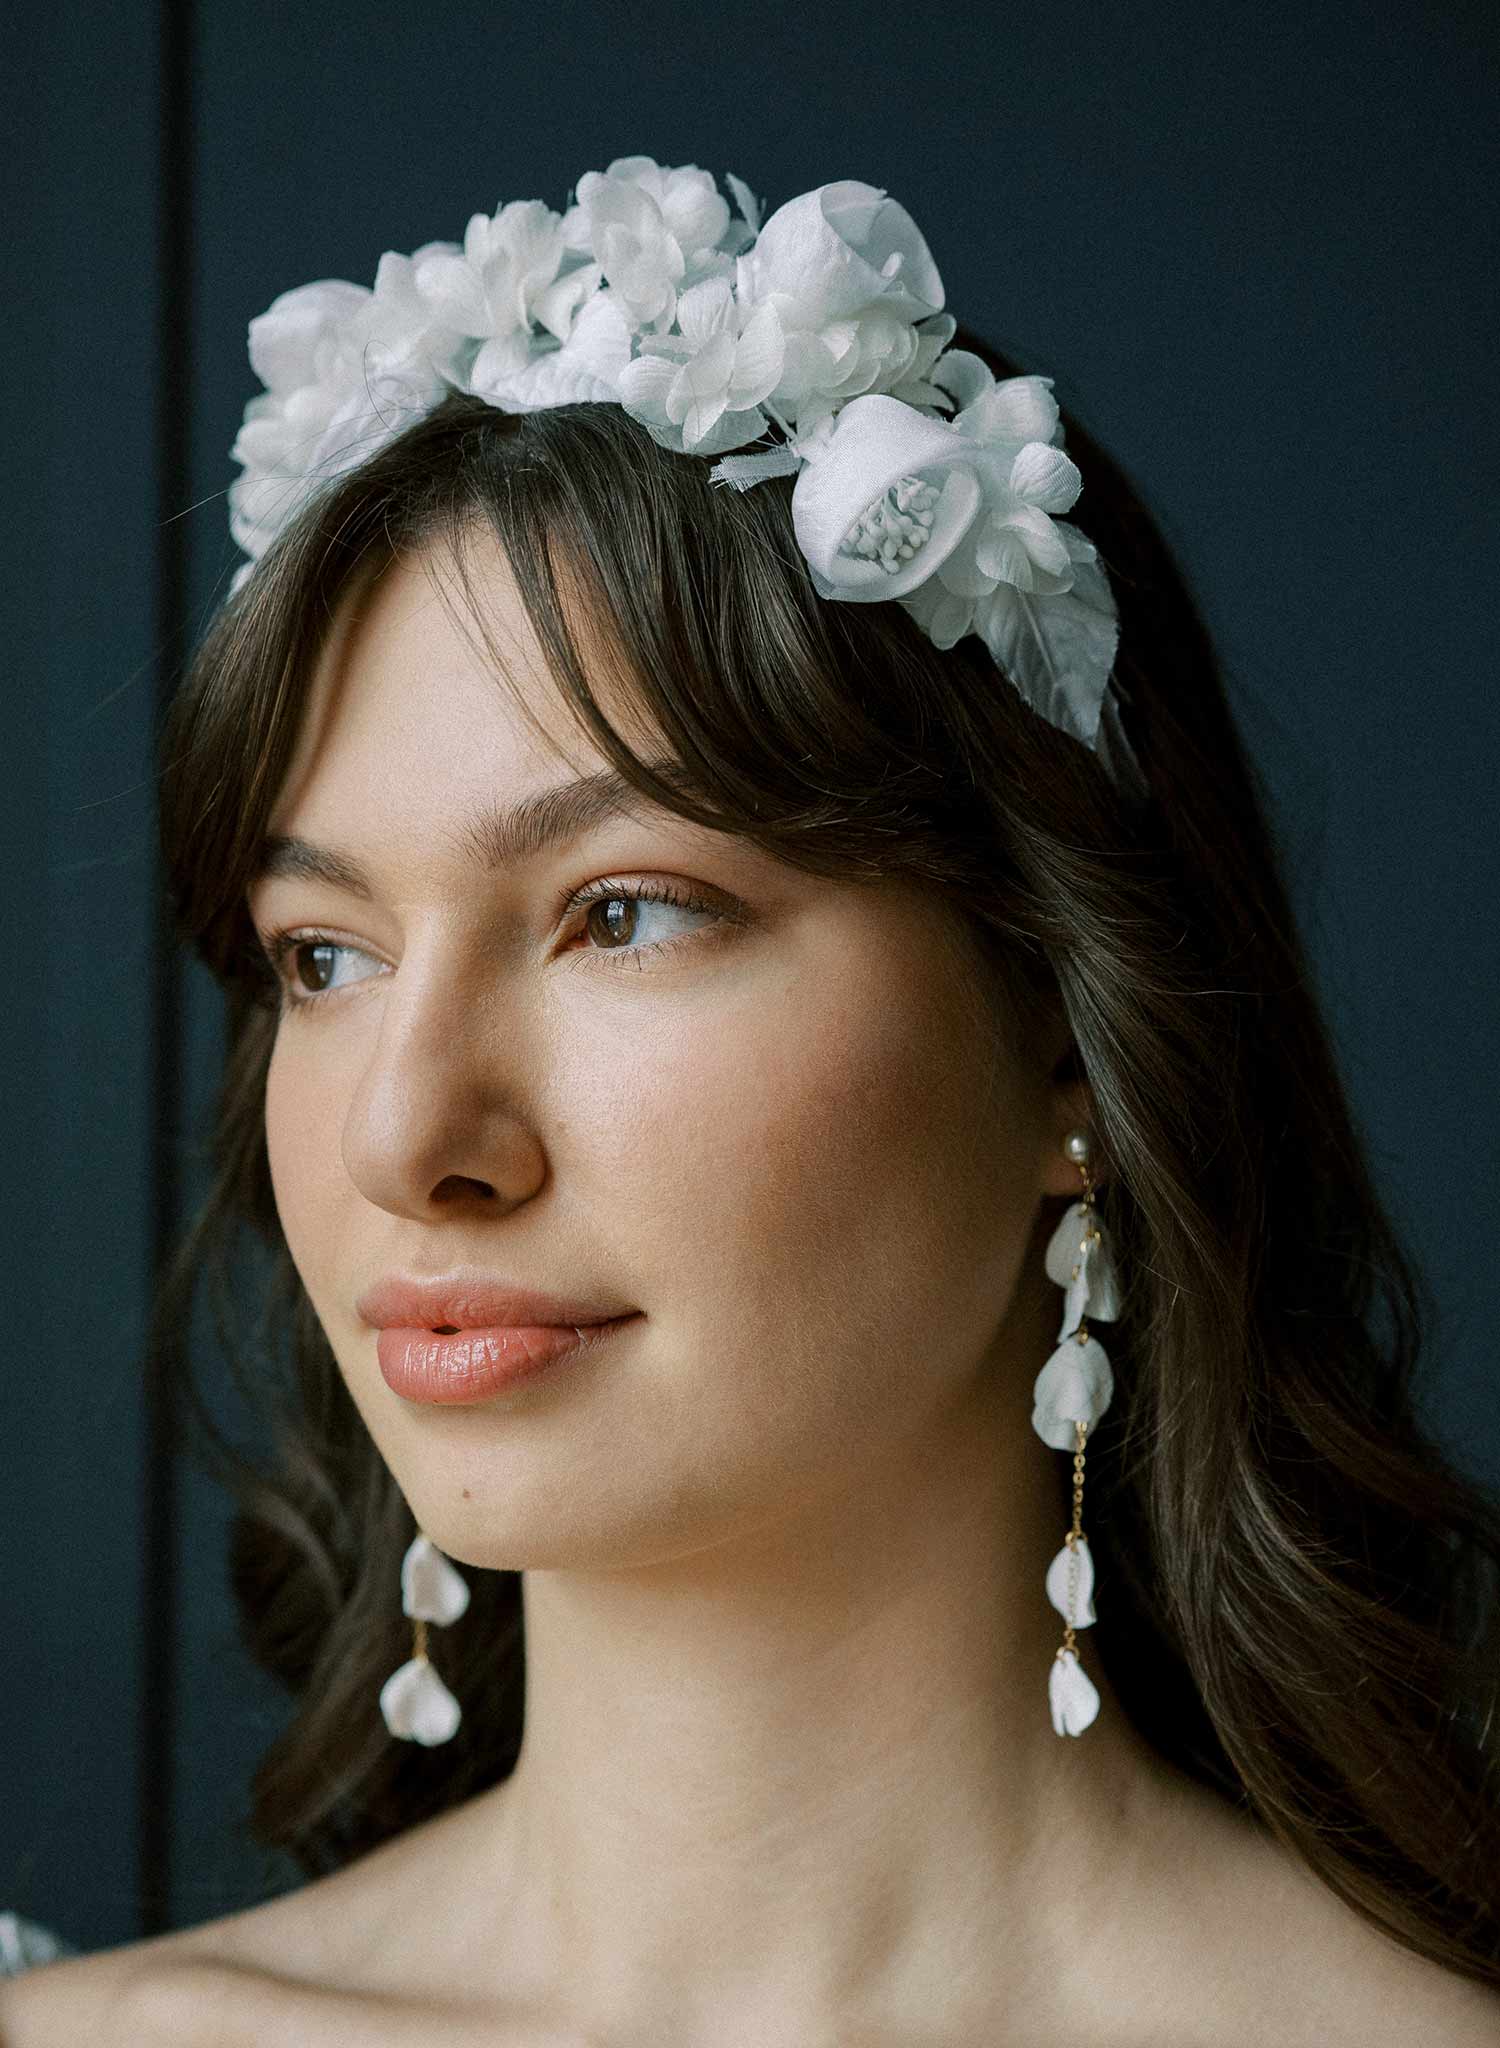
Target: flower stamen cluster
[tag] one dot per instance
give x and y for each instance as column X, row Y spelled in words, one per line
column 892, row 529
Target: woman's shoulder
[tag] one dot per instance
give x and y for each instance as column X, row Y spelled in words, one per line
column 276, row 1972
column 164, row 1988
column 1227, row 1936
column 274, row 1964
column 1299, row 1967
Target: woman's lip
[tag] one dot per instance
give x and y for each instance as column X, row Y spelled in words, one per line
column 475, row 1365
column 469, row 1298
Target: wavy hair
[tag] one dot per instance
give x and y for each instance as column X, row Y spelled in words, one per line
column 1300, row 1591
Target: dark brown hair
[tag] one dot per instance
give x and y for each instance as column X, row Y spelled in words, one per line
column 1297, row 1590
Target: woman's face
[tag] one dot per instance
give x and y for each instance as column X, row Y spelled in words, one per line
column 777, row 1126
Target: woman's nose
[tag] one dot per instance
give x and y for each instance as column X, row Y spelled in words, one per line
column 441, row 1108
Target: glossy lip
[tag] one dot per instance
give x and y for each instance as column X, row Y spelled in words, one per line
column 476, row 1365
column 469, row 1299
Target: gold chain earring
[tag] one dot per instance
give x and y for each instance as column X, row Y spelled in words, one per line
column 1072, row 1391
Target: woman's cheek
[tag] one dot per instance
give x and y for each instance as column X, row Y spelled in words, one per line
column 302, row 1151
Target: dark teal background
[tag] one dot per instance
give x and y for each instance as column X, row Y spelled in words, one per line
column 1253, row 245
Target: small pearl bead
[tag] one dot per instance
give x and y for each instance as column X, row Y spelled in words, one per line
column 1076, row 1145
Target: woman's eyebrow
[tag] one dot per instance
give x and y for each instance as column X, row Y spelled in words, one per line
column 493, row 838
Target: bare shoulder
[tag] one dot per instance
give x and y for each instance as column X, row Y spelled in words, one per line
column 309, row 1966
column 1313, row 1972
column 1367, row 1988
column 231, row 1984
column 137, row 1990
column 178, row 1999
column 135, row 1993
column 1231, row 1941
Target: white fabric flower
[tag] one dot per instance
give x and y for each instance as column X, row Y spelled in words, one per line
column 998, row 442
column 700, row 390
column 1058, row 652
column 651, row 231
column 1075, row 1385
column 879, row 351
column 850, row 276
column 292, row 447
column 875, row 445
column 347, row 367
column 1013, row 488
column 298, row 349
column 1013, row 425
column 689, row 202
column 1071, row 1694
column 289, row 445
column 296, row 340
column 586, row 369
column 636, row 251
column 507, row 279
column 825, row 322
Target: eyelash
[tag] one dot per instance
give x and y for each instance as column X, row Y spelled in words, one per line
column 282, row 942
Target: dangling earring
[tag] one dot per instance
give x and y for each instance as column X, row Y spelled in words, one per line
column 416, row 1704
column 1072, row 1391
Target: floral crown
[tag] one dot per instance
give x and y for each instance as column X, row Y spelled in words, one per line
column 818, row 332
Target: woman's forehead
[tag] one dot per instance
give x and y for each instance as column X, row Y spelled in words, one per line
column 397, row 668
column 432, row 610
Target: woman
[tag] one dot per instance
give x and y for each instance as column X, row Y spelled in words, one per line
column 807, row 979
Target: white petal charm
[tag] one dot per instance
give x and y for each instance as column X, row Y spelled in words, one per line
column 1072, row 1695
column 431, row 1590
column 1084, row 1266
column 1062, row 1246
column 417, row 1706
column 1057, row 1585
column 1074, row 1301
column 1075, row 1385
column 1103, row 1280
column 1093, row 1291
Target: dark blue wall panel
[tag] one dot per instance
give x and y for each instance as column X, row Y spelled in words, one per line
column 78, row 883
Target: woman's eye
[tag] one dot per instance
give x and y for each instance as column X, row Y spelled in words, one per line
column 288, row 954
column 620, row 923
column 617, row 920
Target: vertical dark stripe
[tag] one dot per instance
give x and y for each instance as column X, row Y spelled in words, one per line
column 174, row 397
